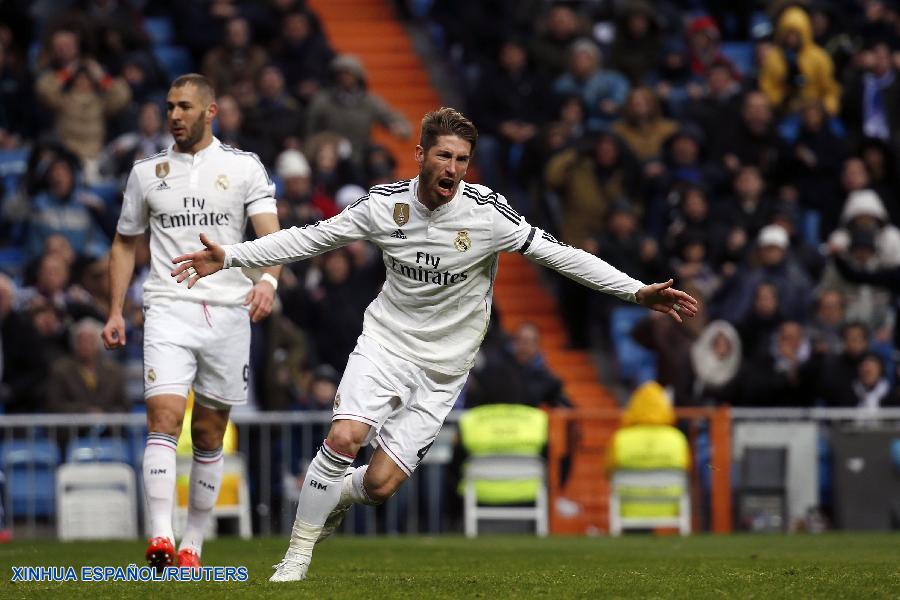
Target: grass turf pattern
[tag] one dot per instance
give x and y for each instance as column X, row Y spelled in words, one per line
column 837, row 565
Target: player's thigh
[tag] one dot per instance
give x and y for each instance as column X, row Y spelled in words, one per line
column 169, row 360
column 371, row 388
column 408, row 434
column 223, row 370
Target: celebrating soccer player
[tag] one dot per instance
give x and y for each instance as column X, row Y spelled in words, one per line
column 440, row 237
column 196, row 337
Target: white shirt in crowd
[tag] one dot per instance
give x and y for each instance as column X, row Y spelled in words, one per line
column 435, row 305
column 179, row 195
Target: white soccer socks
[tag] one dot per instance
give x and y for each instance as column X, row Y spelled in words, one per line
column 159, row 483
column 206, row 478
column 320, row 494
column 354, row 491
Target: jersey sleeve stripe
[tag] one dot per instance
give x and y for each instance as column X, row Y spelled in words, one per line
column 358, row 202
column 494, row 199
column 527, row 243
column 509, row 214
column 252, row 155
column 146, row 158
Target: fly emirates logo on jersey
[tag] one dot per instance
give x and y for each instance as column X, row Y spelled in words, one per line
column 426, row 270
column 193, row 213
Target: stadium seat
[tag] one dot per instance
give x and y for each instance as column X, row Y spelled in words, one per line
column 96, row 501
column 90, row 449
column 30, row 467
column 505, row 468
column 160, row 30
column 174, row 60
column 656, row 489
column 742, row 54
column 636, row 363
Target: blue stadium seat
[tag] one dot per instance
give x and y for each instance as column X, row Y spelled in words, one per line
column 174, row 60
column 636, row 363
column 110, row 192
column 30, row 468
column 742, row 54
column 88, row 449
column 13, row 165
column 12, row 260
column 160, row 30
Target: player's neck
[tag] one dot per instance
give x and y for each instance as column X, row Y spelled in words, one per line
column 204, row 143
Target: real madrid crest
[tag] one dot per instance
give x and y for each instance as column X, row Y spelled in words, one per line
column 151, row 375
column 462, row 242
column 337, row 400
column 162, row 169
column 401, row 214
column 222, row 183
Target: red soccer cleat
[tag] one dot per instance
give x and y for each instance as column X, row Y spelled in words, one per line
column 160, row 553
column 188, row 558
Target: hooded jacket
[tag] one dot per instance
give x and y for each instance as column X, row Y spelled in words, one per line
column 887, row 238
column 814, row 65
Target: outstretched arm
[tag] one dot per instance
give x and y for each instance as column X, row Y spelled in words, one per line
column 597, row 274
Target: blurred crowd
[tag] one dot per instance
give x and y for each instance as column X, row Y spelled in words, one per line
column 750, row 150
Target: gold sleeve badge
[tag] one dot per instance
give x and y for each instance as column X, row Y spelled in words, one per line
column 401, row 214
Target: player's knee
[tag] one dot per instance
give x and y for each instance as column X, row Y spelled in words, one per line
column 205, row 436
column 380, row 491
column 164, row 421
column 344, row 439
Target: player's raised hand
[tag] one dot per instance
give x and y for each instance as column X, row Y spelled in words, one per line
column 199, row 264
column 114, row 332
column 260, row 300
column 662, row 297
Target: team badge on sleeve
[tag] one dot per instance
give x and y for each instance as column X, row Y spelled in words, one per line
column 222, row 183
column 401, row 214
column 462, row 242
column 162, row 169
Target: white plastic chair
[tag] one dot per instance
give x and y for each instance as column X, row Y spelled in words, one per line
column 96, row 501
column 659, row 485
column 504, row 468
column 234, row 465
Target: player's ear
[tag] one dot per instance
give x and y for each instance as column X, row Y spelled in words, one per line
column 211, row 111
column 420, row 154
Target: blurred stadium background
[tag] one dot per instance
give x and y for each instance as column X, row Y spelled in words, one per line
column 749, row 149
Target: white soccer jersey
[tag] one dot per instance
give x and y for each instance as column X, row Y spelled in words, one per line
column 179, row 195
column 435, row 305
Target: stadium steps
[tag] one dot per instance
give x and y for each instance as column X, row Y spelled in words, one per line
column 369, row 30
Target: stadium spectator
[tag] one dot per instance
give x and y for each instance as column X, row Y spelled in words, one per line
column 17, row 118
column 237, row 58
column 148, row 139
column 759, row 324
column 68, row 209
column 51, row 283
column 85, row 382
column 864, row 210
column 624, row 245
column 826, row 323
column 602, row 91
column 303, row 54
column 704, row 47
column 350, row 110
column 716, row 374
column 82, row 96
column 642, row 126
column 515, row 373
column 322, row 389
column 840, row 370
column 717, row 103
column 556, row 33
column 295, row 206
column 776, row 266
column 871, row 387
column 636, row 48
column 785, row 374
column 742, row 214
column 229, row 125
column 795, row 69
column 751, row 139
column 871, row 100
column 815, row 155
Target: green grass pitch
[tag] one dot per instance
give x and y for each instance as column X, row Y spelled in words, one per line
column 637, row 566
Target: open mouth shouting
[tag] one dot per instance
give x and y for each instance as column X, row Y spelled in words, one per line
column 445, row 186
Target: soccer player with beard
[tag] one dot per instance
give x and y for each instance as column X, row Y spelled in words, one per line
column 440, row 237
column 196, row 337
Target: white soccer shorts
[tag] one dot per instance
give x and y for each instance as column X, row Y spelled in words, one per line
column 404, row 403
column 194, row 343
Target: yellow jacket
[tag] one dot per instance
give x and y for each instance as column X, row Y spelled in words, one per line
column 813, row 62
column 647, row 438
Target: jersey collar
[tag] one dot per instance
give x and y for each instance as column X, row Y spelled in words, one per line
column 199, row 156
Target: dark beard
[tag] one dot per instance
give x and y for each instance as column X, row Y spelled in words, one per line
column 195, row 134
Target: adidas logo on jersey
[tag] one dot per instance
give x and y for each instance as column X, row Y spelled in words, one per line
column 163, row 185
column 399, row 235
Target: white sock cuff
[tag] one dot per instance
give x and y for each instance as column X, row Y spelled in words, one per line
column 207, row 456
column 162, row 439
column 333, row 462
